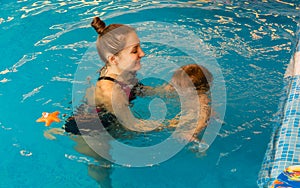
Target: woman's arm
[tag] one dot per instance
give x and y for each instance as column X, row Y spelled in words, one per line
column 165, row 90
column 116, row 102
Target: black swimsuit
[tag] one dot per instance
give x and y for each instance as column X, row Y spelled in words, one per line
column 107, row 119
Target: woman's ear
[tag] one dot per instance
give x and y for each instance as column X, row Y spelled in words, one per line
column 112, row 59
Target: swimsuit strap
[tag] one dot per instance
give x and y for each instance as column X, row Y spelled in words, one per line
column 124, row 86
column 108, row 78
column 131, row 92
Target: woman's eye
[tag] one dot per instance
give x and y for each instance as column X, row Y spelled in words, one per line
column 134, row 50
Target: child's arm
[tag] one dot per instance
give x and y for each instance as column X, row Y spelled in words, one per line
column 205, row 112
column 189, row 119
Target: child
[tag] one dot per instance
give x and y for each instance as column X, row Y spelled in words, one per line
column 193, row 77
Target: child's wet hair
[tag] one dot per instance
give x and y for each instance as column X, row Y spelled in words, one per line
column 196, row 74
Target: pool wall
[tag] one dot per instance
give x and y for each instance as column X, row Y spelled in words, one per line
column 284, row 147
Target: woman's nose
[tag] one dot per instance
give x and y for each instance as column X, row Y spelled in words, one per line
column 141, row 53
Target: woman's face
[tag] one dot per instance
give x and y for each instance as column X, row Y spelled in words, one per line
column 129, row 59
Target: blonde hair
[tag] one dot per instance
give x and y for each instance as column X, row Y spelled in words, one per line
column 111, row 38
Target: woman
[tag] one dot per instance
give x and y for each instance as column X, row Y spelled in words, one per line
column 119, row 47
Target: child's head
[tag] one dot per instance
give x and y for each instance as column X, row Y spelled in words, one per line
column 193, row 75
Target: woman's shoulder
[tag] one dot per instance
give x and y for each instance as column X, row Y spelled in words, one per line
column 105, row 87
column 106, row 91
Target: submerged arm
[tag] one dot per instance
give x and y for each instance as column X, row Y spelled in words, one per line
column 205, row 112
column 192, row 119
column 116, row 102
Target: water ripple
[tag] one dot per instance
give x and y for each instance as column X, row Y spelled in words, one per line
column 75, row 46
column 57, row 78
column 4, row 80
column 31, row 93
column 65, row 28
column 25, row 59
column 38, row 8
column 25, row 153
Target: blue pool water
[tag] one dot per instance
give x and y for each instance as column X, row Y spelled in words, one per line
column 43, row 42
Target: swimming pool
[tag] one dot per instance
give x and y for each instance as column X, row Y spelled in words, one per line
column 42, row 43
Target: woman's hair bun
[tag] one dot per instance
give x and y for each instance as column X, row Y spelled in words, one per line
column 98, row 25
